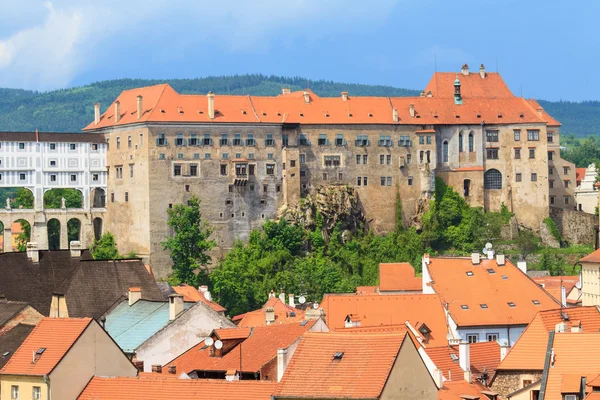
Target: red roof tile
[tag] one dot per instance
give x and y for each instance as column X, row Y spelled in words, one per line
column 366, row 289
column 55, row 336
column 398, row 277
column 457, row 389
column 579, row 175
column 592, row 257
column 471, row 86
column 388, row 310
column 284, row 314
column 485, row 284
column 190, row 293
column 361, row 373
column 180, row 389
column 485, row 356
column 258, row 349
column 553, row 284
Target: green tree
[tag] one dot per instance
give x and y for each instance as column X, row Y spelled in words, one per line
column 24, row 236
column 189, row 243
column 24, row 198
column 526, row 242
column 399, row 219
column 105, row 248
column 73, row 198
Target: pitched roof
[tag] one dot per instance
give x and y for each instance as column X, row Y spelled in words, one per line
column 90, row 287
column 593, row 257
column 375, row 310
column 55, row 336
column 456, row 390
column 485, row 356
column 366, row 289
column 530, row 349
column 9, row 309
column 259, row 348
column 361, row 372
column 284, row 314
column 492, row 294
column 181, row 389
column 130, row 326
column 486, row 100
column 547, row 117
column 580, row 174
column 51, row 137
column 190, row 293
column 575, row 355
column 12, row 340
column 553, row 284
column 398, row 277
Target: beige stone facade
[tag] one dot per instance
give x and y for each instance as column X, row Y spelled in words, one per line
column 561, row 174
column 507, row 382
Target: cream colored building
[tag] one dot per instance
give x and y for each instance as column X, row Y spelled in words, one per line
column 59, row 358
column 590, row 279
column 586, row 193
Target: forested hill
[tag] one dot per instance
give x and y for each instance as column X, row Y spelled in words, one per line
column 69, row 110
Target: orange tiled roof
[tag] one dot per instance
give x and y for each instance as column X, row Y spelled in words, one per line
column 180, row 389
column 486, row 100
column 575, row 354
column 398, row 277
column 530, row 349
column 579, row 175
column 190, row 293
column 366, row 289
column 233, row 333
column 381, row 311
column 361, row 373
column 592, row 257
column 487, row 285
column 55, row 336
column 258, row 349
column 466, row 169
column 547, row 117
column 456, row 389
column 485, row 356
column 284, row 314
column 552, row 284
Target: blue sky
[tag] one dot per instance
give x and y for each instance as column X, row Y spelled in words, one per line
column 544, row 49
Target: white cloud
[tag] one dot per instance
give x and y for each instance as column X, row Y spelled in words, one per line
column 64, row 37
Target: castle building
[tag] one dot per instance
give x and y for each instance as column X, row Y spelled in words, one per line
column 249, row 157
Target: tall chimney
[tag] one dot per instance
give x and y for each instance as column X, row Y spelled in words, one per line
column 96, row 113
column 140, row 110
column 204, row 290
column 482, row 71
column 172, row 370
column 211, row 105
column 504, row 351
column 33, row 252
column 540, row 111
column 75, row 247
column 522, row 265
column 464, row 359
column 306, row 97
column 475, row 258
column 563, row 295
column 117, row 111
column 285, row 90
column 395, row 115
column 344, row 96
column 292, row 302
column 175, row 306
column 282, row 297
column 281, row 364
column 500, row 259
column 135, row 294
column 411, row 108
column 465, row 69
column 270, row 315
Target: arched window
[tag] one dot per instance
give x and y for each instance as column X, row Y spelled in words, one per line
column 492, row 179
column 471, row 142
column 460, row 143
column 445, row 151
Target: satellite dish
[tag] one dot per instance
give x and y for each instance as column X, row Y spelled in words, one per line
column 218, row 345
column 316, row 306
column 484, row 251
column 488, row 246
column 209, row 341
column 302, row 300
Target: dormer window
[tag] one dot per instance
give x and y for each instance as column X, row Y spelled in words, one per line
column 425, row 331
column 536, row 302
column 464, row 307
column 511, row 304
column 484, row 306
column 469, row 273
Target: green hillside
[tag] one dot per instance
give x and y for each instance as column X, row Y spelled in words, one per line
column 69, row 110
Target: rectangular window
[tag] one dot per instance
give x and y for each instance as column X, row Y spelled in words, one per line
column 323, row 141
column 161, row 156
column 492, row 337
column 129, row 142
column 358, row 159
column 428, row 139
column 332, row 161
column 197, row 156
column 381, row 159
column 365, row 159
column 408, row 158
column 302, row 173
column 518, row 177
column 385, row 141
column 533, row 134
column 302, row 159
column 94, row 147
column 472, row 338
column 492, row 154
column 410, row 181
column 388, row 159
column 358, row 181
column 421, row 139
column 340, row 176
column 180, row 156
column 142, row 139
column 518, row 153
column 238, row 155
column 21, row 177
column 339, row 140
column 324, row 176
column 14, row 392
column 193, row 170
column 269, row 156
column 177, row 170
column 531, row 153
column 271, row 169
column 550, row 137
column 365, row 181
column 161, row 140
column 193, row 140
column 36, row 393
column 251, row 156
column 225, row 156
column 179, row 140
column 21, row 146
column 517, row 134
column 566, row 182
column 533, row 177
column 223, row 169
column 285, row 140
column 566, row 199
column 269, row 142
column 126, row 196
column 292, row 163
column 73, row 146
column 404, row 141
column 251, row 169
column 386, row 181
column 551, row 199
column 224, row 140
column 250, row 140
column 207, row 156
column 303, row 140
column 53, row 146
column 118, row 143
column 53, row 163
column 551, row 184
column 550, row 171
column 565, row 170
column 491, row 136
column 131, row 170
column 52, row 178
column 550, row 155
column 119, row 172
column 207, row 141
column 112, row 197
column 361, row 140
column 237, row 139
column 95, row 177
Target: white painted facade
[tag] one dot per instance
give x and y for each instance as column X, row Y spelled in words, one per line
column 586, row 194
column 590, row 284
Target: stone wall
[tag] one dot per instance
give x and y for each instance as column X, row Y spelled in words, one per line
column 507, row 382
column 576, row 227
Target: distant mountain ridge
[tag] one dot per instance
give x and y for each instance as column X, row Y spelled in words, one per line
column 69, row 110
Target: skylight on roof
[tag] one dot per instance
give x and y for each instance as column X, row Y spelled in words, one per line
column 370, row 115
column 483, row 306
column 504, row 277
column 303, row 323
column 464, row 307
column 454, row 357
column 40, row 351
column 5, row 354
column 537, row 303
column 338, row 355
column 564, row 315
column 469, row 273
column 511, row 304
column 491, row 271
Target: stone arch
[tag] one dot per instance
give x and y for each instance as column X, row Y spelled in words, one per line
column 73, row 230
column 445, row 155
column 20, row 231
column 98, row 198
column 492, row 179
column 460, row 142
column 471, row 142
column 18, row 198
column 54, row 229
column 53, row 198
column 97, row 223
